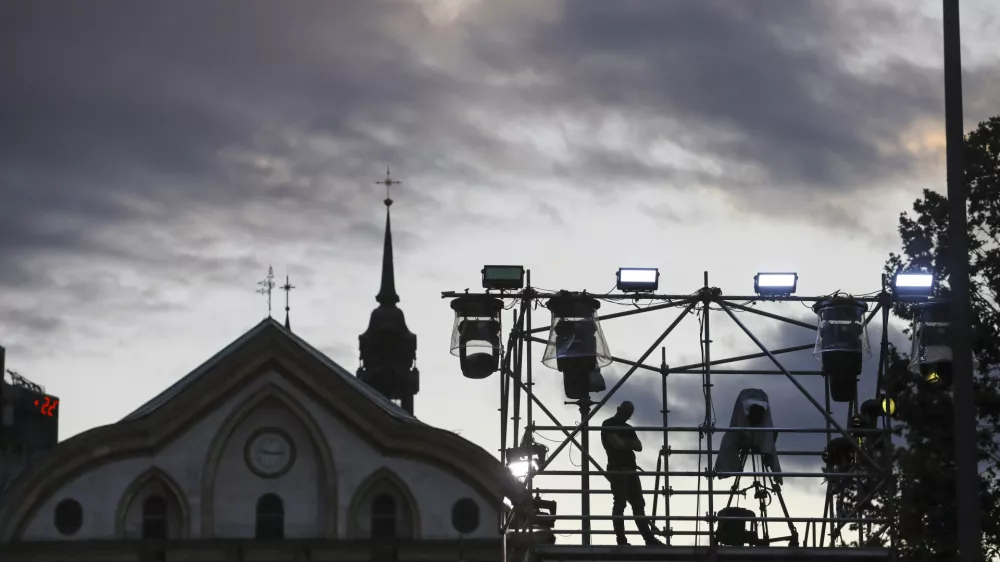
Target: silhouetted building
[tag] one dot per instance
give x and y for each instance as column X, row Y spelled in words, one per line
column 269, row 450
column 388, row 348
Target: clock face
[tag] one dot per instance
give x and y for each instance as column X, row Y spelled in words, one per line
column 270, row 453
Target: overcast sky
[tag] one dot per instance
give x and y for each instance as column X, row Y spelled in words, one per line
column 155, row 158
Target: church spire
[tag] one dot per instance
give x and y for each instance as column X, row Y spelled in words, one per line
column 387, row 292
column 388, row 348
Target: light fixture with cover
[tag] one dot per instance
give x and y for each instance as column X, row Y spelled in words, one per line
column 842, row 344
column 475, row 335
column 576, row 346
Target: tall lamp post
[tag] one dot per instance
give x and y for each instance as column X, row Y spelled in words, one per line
column 969, row 531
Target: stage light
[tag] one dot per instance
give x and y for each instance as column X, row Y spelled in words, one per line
column 752, row 409
column 871, row 411
column 503, row 277
column 475, row 335
column 775, row 284
column 839, row 454
column 913, row 283
column 536, row 513
column 842, row 344
column 526, row 457
column 888, row 405
column 735, row 533
column 930, row 356
column 638, row 279
column 576, row 387
column 576, row 346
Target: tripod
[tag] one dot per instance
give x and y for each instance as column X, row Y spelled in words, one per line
column 735, row 533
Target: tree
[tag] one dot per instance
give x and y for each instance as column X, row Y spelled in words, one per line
column 924, row 458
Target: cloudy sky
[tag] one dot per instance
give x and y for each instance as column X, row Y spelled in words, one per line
column 155, row 158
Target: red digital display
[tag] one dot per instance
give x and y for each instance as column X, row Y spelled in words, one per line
column 47, row 405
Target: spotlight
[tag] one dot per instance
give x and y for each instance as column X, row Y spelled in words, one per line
column 538, row 513
column 931, row 356
column 752, row 409
column 842, row 344
column 839, row 454
column 735, row 532
column 638, row 279
column 775, row 284
column 576, row 387
column 520, row 460
column 871, row 411
column 503, row 276
column 888, row 405
column 475, row 335
column 913, row 283
column 577, row 347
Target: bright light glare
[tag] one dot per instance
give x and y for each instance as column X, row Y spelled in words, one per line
column 915, row 280
column 638, row 279
column 776, row 280
column 637, row 276
column 519, row 469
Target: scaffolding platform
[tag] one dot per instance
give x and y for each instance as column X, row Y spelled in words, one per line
column 576, row 553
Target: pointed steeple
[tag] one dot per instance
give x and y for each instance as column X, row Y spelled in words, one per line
column 388, row 348
column 387, row 292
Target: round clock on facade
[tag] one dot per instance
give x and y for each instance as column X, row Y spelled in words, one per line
column 270, row 452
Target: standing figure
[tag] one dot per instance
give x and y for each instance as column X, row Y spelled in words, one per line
column 621, row 446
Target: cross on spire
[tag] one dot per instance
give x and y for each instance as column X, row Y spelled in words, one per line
column 266, row 287
column 287, row 288
column 388, row 182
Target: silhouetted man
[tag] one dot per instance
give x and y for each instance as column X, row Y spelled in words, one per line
column 621, row 447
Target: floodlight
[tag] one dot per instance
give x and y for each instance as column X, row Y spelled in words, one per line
column 475, row 336
column 503, row 276
column 577, row 347
column 638, row 279
column 775, row 283
column 842, row 344
column 752, row 409
column 931, row 356
column 913, row 283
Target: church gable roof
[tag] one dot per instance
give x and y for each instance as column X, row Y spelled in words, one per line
column 246, row 339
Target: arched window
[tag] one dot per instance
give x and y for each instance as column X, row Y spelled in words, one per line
column 383, row 510
column 154, row 518
column 270, row 517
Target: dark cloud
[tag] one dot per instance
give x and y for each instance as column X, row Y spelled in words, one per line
column 202, row 124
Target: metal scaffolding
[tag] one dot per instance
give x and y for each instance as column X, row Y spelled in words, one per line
column 822, row 533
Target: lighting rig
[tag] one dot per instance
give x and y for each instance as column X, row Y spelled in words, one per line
column 577, row 348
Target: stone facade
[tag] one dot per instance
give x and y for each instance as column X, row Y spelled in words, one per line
column 178, row 479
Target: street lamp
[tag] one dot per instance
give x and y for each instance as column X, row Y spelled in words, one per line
column 842, row 343
column 576, row 346
column 475, row 336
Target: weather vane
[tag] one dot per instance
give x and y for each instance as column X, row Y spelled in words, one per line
column 266, row 286
column 287, row 288
column 388, row 182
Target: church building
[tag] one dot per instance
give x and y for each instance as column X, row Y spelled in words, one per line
column 269, row 451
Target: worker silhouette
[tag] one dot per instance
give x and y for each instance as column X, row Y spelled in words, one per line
column 621, row 446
